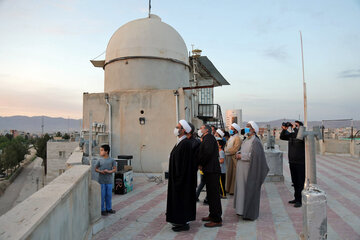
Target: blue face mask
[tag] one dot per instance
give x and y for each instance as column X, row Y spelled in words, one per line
column 231, row 132
column 247, row 130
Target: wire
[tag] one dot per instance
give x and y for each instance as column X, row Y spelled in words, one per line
column 99, row 55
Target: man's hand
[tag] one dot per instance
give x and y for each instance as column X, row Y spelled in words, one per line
column 238, row 156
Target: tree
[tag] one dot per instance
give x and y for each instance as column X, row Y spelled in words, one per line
column 2, row 163
column 58, row 134
column 9, row 136
column 14, row 153
column 4, row 141
column 40, row 146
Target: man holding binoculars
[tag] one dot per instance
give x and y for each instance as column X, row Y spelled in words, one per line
column 296, row 154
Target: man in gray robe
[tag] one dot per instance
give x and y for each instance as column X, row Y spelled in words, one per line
column 250, row 174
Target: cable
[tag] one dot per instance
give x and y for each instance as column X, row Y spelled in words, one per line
column 99, row 55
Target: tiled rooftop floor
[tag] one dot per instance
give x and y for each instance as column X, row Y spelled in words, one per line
column 141, row 213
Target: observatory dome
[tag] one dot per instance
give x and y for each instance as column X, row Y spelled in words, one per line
column 147, row 37
column 146, row 54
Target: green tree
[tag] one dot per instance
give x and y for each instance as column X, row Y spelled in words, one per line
column 4, row 141
column 2, row 163
column 58, row 134
column 14, row 153
column 40, row 146
column 9, row 136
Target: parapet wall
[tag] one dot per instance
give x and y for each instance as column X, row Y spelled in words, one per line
column 331, row 146
column 64, row 209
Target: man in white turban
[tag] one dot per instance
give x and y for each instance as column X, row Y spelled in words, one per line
column 232, row 146
column 181, row 197
column 251, row 171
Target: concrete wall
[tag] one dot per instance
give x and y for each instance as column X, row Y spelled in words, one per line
column 331, row 146
column 337, row 146
column 150, row 144
column 134, row 74
column 60, row 210
column 54, row 161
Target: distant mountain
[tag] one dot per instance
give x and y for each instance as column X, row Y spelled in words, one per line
column 327, row 124
column 33, row 124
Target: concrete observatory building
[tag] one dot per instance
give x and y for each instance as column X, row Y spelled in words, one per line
column 148, row 87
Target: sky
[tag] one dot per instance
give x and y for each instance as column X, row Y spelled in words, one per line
column 46, row 45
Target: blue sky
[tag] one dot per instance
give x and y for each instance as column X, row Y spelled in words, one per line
column 45, row 48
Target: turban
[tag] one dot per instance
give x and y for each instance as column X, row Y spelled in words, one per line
column 185, row 125
column 221, row 133
column 237, row 127
column 254, row 126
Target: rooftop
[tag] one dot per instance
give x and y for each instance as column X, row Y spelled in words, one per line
column 141, row 213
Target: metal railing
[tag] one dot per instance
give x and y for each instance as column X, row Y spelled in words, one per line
column 211, row 113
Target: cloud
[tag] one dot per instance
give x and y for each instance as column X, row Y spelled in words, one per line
column 352, row 73
column 277, row 53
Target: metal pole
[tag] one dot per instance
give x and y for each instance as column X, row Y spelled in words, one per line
column 307, row 152
column 304, row 83
column 311, row 168
column 313, row 198
column 90, row 138
column 110, row 121
column 269, row 136
column 176, row 93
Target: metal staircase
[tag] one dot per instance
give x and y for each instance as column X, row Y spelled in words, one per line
column 211, row 114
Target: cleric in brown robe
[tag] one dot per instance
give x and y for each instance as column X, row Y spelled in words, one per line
column 181, row 197
column 250, row 174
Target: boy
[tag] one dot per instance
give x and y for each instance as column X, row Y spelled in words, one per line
column 105, row 167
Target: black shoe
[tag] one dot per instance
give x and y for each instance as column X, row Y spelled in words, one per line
column 104, row 213
column 184, row 227
column 111, row 211
column 292, row 201
column 297, row 204
column 213, row 224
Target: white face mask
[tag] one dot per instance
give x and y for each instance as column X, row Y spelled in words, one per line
column 199, row 133
column 176, row 132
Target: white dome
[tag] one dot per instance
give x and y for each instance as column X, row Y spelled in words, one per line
column 147, row 37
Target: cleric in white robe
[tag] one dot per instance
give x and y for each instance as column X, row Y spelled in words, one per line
column 251, row 171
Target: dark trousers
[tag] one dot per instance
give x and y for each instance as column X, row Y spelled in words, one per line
column 213, row 195
column 200, row 187
column 298, row 177
column 222, row 184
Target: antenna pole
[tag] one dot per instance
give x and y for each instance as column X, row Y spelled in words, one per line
column 149, row 8
column 304, row 83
